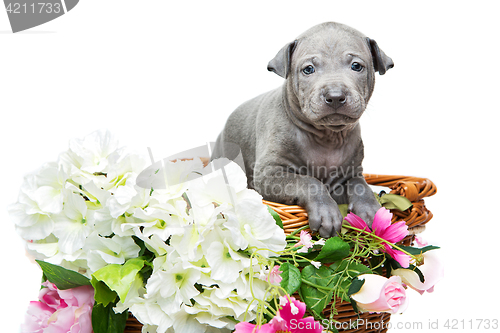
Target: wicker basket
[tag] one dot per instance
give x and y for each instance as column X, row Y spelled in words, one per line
column 294, row 217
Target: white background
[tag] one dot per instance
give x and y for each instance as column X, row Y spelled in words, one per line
column 166, row 76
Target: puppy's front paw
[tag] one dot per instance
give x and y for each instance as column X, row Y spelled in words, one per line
column 324, row 218
column 366, row 210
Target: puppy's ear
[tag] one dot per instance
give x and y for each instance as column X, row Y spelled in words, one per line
column 381, row 62
column 282, row 61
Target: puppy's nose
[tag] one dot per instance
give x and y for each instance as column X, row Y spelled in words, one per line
column 335, row 98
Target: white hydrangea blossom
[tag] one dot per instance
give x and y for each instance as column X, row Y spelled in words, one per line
column 62, row 203
column 205, row 273
column 86, row 211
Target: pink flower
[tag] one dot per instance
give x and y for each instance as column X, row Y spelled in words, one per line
column 402, row 258
column 305, row 240
column 288, row 319
column 432, row 269
column 60, row 311
column 383, row 228
column 379, row 294
column 274, row 275
column 420, row 241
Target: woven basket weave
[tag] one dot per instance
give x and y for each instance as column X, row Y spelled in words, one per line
column 294, row 217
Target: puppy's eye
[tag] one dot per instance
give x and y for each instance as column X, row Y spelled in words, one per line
column 308, row 70
column 357, row 67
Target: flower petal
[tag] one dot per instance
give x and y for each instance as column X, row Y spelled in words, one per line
column 381, row 221
column 371, row 289
column 432, row 269
column 402, row 258
column 395, row 232
column 287, row 314
column 357, row 222
column 244, row 327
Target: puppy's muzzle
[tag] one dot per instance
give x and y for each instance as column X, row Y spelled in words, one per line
column 335, row 98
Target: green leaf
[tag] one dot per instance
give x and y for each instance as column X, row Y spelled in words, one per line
column 416, row 251
column 355, row 286
column 291, row 278
column 276, row 217
column 354, row 305
column 376, row 261
column 344, row 209
column 394, row 201
column 418, row 271
column 63, row 278
column 120, row 277
column 355, row 269
column 334, row 249
column 102, row 294
column 317, row 299
column 105, row 320
column 141, row 244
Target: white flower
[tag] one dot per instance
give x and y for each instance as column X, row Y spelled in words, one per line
column 185, row 322
column 244, row 289
column 71, row 227
column 150, row 313
column 41, row 195
column 252, row 226
column 48, row 250
column 43, row 189
column 97, row 159
column 121, row 200
column 104, row 250
column 226, row 264
column 90, row 154
column 212, row 308
column 188, row 245
column 219, row 186
column 316, row 264
column 33, row 226
column 163, row 220
column 293, row 308
column 321, row 242
column 96, row 206
column 174, row 280
column 209, row 315
column 232, row 302
column 204, row 222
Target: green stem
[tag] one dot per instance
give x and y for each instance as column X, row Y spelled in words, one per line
column 315, row 285
column 298, row 230
column 378, row 238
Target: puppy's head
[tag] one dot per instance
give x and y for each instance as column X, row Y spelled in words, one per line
column 330, row 74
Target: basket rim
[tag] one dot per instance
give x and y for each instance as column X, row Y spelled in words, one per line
column 413, row 188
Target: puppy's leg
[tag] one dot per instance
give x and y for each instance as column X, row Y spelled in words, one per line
column 291, row 188
column 361, row 199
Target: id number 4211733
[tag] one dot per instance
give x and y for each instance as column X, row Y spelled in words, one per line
column 471, row 324
column 34, row 8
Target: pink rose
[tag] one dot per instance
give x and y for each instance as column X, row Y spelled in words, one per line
column 379, row 294
column 432, row 269
column 60, row 311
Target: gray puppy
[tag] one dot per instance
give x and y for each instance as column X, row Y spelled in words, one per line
column 301, row 143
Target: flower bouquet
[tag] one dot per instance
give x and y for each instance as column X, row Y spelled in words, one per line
column 196, row 250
